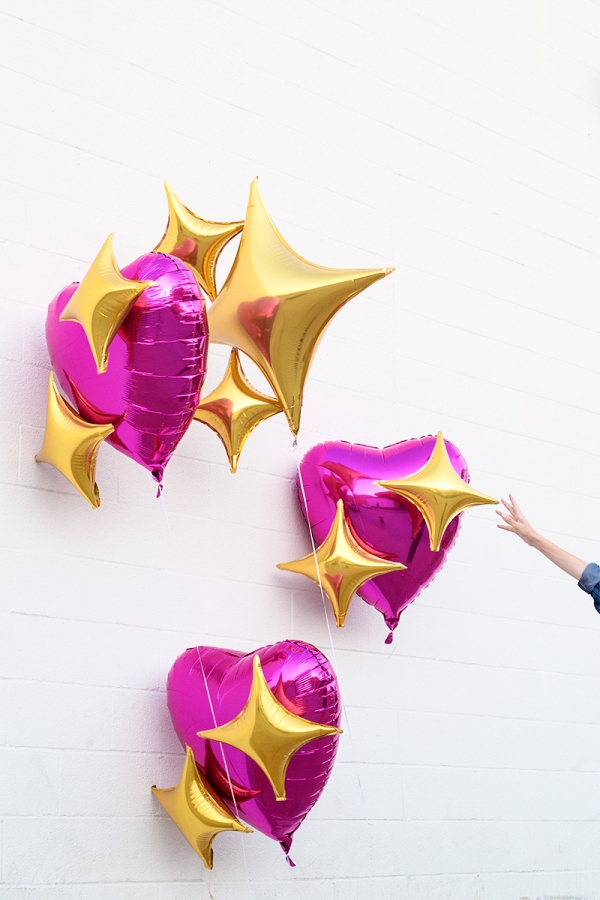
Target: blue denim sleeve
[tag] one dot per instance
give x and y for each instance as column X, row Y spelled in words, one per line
column 590, row 583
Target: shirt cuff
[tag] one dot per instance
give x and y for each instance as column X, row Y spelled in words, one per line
column 589, row 578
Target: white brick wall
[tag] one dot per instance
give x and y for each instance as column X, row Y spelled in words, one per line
column 460, row 142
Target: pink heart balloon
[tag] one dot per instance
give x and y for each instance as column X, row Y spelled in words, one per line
column 382, row 521
column 156, row 362
column 208, row 686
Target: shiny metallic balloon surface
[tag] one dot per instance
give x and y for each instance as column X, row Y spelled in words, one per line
column 302, row 679
column 156, row 362
column 383, row 522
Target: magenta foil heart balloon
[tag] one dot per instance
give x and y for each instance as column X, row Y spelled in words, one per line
column 156, row 362
column 383, row 522
column 207, row 687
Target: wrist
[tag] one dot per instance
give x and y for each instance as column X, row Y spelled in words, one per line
column 536, row 540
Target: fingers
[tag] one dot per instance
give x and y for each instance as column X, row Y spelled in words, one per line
column 508, row 506
column 516, row 507
column 508, row 520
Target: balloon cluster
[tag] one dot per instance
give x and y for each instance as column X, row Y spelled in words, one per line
column 129, row 353
column 128, row 348
column 141, row 396
column 275, row 715
column 382, row 520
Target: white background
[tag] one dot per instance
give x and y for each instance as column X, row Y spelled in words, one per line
column 459, row 142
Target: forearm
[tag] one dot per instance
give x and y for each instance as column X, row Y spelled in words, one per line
column 570, row 564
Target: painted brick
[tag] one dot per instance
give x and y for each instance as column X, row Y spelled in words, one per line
column 459, row 143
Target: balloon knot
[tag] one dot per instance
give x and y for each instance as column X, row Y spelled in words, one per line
column 286, row 846
column 157, row 474
column 389, row 638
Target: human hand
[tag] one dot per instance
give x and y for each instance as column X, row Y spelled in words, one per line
column 516, row 522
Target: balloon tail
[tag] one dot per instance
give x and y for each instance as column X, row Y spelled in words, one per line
column 286, row 846
column 157, row 474
column 389, row 638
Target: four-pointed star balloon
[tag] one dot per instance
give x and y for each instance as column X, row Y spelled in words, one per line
column 267, row 732
column 196, row 811
column 71, row 444
column 101, row 302
column 275, row 305
column 195, row 241
column 438, row 492
column 340, row 565
column 234, row 409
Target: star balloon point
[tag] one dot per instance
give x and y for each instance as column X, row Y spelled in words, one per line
column 275, row 305
column 101, row 302
column 197, row 242
column 340, row 565
column 234, row 409
column 71, row 444
column 438, row 492
column 267, row 732
column 195, row 811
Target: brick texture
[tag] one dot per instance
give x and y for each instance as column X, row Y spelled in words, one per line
column 460, row 143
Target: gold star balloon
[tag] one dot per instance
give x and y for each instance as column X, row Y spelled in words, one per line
column 197, row 242
column 267, row 732
column 234, row 409
column 275, row 305
column 71, row 444
column 101, row 302
column 438, row 492
column 340, row 566
column 195, row 811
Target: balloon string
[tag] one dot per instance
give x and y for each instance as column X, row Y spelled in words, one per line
column 250, row 894
column 171, row 541
column 314, row 550
column 235, row 806
column 333, row 653
column 212, row 710
column 237, row 812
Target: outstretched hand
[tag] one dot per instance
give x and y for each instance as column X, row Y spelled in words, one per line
column 516, row 522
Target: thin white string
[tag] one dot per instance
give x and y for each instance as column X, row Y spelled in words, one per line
column 325, row 606
column 314, row 550
column 250, row 894
column 212, row 710
column 171, row 541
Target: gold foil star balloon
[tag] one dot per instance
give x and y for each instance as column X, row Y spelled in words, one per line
column 340, row 565
column 101, row 302
column 71, row 444
column 234, row 409
column 438, row 492
column 267, row 732
column 275, row 305
column 195, row 811
column 197, row 242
